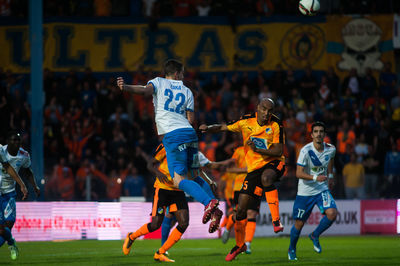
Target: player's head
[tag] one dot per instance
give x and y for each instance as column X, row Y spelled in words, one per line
column 173, row 68
column 318, row 132
column 265, row 108
column 13, row 139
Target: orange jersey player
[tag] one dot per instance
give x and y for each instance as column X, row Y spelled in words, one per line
column 240, row 172
column 165, row 196
column 263, row 139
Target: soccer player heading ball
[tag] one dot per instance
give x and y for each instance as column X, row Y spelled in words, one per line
column 174, row 113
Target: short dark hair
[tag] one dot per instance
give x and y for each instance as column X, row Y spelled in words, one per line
column 12, row 133
column 171, row 66
column 318, row 124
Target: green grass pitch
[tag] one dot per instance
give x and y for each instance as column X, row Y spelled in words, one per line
column 344, row 250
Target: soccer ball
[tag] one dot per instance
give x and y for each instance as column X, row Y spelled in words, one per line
column 309, row 7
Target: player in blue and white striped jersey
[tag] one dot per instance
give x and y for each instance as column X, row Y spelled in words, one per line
column 314, row 170
column 174, row 114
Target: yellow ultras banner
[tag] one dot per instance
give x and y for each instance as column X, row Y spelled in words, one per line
column 121, row 47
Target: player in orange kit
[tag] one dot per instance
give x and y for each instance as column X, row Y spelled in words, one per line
column 263, row 139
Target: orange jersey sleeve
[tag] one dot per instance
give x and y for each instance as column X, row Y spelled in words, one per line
column 236, row 126
column 240, row 158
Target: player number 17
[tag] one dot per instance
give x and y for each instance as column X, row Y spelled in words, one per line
column 300, row 213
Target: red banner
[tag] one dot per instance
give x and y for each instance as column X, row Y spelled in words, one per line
column 378, row 216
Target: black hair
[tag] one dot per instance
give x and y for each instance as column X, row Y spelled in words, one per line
column 13, row 133
column 171, row 66
column 318, row 124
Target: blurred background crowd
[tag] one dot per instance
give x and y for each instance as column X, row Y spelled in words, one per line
column 93, row 129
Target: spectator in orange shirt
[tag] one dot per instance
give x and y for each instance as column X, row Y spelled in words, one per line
column 62, row 182
column 345, row 142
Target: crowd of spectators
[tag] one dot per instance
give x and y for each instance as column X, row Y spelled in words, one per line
column 182, row 8
column 92, row 129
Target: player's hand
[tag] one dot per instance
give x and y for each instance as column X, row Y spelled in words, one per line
column 164, row 179
column 24, row 191
column 203, row 128
column 322, row 178
column 120, row 83
column 37, row 191
column 251, row 144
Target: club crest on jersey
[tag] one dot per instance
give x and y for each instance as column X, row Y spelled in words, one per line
column 326, row 157
column 260, row 143
column 160, row 210
column 268, row 130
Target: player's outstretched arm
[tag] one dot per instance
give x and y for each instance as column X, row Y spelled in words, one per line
column 213, row 128
column 301, row 174
column 10, row 170
column 138, row 89
column 32, row 180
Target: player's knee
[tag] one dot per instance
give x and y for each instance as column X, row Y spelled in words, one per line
column 251, row 214
column 154, row 225
column 181, row 227
column 298, row 224
column 269, row 188
column 241, row 214
column 268, row 178
column 331, row 214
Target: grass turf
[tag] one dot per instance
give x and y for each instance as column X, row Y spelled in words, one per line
column 344, row 250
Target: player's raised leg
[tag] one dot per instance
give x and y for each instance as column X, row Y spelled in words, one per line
column 183, row 158
column 270, row 175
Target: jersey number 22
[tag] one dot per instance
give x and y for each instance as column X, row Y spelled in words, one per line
column 179, row 100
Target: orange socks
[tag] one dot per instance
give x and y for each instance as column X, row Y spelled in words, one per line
column 230, row 223
column 223, row 224
column 172, row 239
column 240, row 227
column 273, row 203
column 141, row 231
column 250, row 230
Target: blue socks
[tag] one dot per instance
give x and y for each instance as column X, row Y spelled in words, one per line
column 324, row 224
column 7, row 237
column 294, row 236
column 195, row 190
column 166, row 228
column 205, row 186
